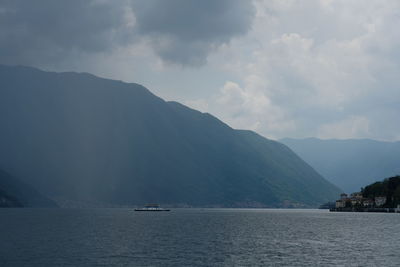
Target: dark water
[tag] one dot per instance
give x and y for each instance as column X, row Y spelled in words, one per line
column 197, row 237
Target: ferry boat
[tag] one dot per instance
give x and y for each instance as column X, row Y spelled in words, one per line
column 152, row 207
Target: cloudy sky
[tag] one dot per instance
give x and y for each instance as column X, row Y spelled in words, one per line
column 284, row 68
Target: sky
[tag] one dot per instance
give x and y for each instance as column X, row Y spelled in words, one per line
column 283, row 68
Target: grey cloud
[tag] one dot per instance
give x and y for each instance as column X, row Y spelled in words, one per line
column 180, row 31
column 36, row 32
column 185, row 31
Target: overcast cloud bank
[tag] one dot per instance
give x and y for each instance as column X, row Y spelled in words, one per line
column 282, row 68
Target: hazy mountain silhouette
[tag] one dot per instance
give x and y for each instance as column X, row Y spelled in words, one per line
column 80, row 137
column 14, row 193
column 350, row 164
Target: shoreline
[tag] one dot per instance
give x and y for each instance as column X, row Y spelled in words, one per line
column 381, row 210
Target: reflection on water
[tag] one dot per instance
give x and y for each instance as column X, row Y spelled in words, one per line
column 203, row 237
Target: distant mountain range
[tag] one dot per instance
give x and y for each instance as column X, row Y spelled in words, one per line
column 82, row 138
column 14, row 193
column 349, row 164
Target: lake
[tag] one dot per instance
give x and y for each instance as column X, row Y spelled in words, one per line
column 197, row 237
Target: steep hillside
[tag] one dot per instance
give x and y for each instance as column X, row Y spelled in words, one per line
column 8, row 201
column 350, row 164
column 85, row 138
column 14, row 193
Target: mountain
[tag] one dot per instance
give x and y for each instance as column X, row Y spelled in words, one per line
column 8, row 201
column 14, row 193
column 349, row 164
column 83, row 138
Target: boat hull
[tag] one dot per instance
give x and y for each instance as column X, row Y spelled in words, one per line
column 152, row 210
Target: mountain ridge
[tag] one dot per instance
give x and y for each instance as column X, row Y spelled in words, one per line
column 349, row 163
column 80, row 137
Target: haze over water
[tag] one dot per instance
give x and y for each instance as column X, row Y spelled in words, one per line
column 197, row 237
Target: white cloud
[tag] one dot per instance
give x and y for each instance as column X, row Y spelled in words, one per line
column 315, row 68
column 352, row 127
column 246, row 107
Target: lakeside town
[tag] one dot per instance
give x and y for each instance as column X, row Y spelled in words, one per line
column 383, row 196
column 356, row 202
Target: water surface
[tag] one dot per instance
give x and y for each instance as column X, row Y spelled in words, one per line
column 197, row 237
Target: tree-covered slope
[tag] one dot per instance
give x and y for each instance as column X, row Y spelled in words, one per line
column 350, row 164
column 85, row 138
column 389, row 188
column 14, row 193
column 8, row 201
